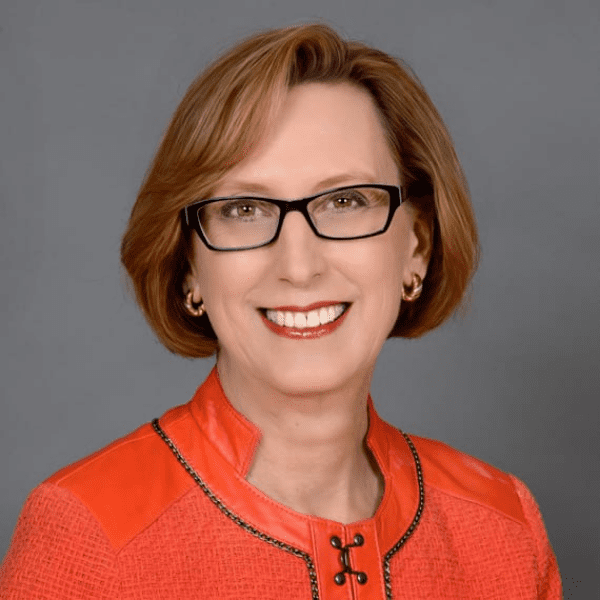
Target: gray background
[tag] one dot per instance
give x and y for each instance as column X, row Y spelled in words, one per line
column 87, row 89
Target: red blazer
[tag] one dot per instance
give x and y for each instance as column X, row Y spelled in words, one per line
column 166, row 512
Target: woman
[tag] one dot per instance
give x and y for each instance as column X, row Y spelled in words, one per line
column 304, row 205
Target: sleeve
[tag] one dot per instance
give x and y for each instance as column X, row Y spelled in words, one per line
column 549, row 583
column 58, row 550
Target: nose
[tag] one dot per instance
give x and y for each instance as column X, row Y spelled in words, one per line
column 299, row 253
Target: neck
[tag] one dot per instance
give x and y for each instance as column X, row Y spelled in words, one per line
column 312, row 455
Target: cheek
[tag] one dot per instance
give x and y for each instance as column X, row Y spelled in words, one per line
column 376, row 265
column 225, row 278
column 391, row 285
column 386, row 275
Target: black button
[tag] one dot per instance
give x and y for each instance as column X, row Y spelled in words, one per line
column 359, row 540
column 336, row 542
column 340, row 579
column 361, row 578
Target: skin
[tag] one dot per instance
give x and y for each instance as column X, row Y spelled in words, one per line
column 309, row 397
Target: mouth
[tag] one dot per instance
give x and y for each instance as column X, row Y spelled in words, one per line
column 308, row 319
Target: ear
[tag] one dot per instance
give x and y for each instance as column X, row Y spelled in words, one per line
column 421, row 243
column 191, row 280
column 190, row 283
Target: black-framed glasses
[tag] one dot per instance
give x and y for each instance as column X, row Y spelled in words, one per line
column 246, row 222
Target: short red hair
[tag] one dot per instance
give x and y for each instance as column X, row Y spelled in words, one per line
column 218, row 122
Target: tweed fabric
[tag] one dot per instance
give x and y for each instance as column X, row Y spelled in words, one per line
column 58, row 551
column 94, row 531
column 459, row 551
column 191, row 551
column 462, row 550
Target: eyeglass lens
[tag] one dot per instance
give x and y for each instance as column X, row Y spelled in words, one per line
column 243, row 222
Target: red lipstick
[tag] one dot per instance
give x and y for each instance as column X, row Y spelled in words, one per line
column 306, row 333
column 307, row 308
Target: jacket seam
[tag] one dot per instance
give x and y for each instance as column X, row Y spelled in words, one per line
column 488, row 507
column 252, row 530
column 92, row 516
column 105, row 452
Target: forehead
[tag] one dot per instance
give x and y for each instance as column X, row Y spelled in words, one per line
column 323, row 132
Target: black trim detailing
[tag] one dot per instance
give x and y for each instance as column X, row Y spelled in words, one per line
column 312, row 573
column 290, row 549
column 386, row 560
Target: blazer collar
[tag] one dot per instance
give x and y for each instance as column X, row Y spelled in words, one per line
column 221, row 444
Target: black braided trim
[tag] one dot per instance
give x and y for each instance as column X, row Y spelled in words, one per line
column 386, row 559
column 237, row 520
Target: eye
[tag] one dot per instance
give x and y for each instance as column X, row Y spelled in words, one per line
column 346, row 200
column 245, row 209
column 343, row 201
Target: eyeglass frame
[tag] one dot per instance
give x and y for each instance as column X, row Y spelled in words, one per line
column 396, row 194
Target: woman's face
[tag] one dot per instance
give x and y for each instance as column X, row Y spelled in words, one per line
column 326, row 136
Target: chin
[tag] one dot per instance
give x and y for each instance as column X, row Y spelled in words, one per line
column 310, row 376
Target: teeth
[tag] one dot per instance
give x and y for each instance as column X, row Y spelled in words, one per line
column 330, row 313
column 313, row 319
column 323, row 315
column 301, row 320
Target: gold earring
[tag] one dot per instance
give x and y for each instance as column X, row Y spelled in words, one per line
column 412, row 293
column 196, row 309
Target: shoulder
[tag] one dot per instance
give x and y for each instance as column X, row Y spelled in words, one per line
column 129, row 483
column 495, row 504
column 460, row 477
column 56, row 536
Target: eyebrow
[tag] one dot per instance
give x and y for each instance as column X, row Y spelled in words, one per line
column 329, row 182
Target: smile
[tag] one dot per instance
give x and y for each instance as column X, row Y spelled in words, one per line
column 305, row 325
column 302, row 320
